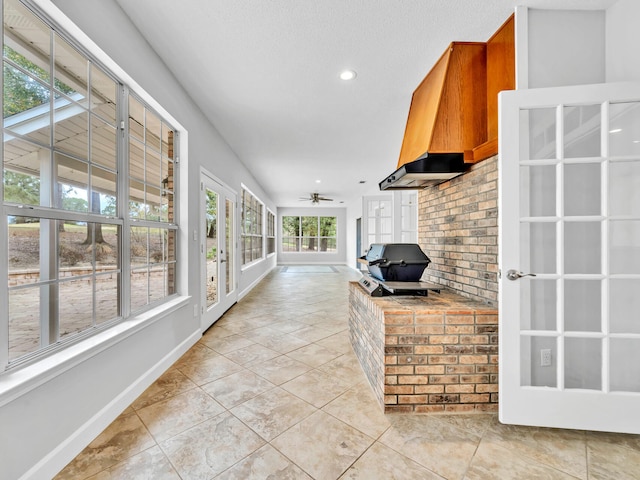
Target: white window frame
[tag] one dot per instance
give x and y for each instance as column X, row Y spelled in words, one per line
column 71, row 33
column 243, row 235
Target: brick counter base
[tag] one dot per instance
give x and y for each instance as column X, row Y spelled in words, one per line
column 425, row 355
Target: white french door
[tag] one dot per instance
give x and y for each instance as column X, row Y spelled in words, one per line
column 217, row 249
column 570, row 257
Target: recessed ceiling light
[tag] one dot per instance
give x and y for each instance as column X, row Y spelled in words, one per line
column 363, row 181
column 348, row 75
column 318, row 181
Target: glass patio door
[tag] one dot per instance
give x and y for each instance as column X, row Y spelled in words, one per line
column 570, row 257
column 217, row 249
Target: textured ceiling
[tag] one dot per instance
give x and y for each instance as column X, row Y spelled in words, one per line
column 265, row 72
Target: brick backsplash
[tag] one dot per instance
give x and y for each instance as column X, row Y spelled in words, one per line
column 458, row 230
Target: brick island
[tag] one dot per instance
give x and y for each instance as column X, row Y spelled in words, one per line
column 426, row 354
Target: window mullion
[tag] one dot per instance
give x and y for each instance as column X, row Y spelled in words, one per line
column 123, row 201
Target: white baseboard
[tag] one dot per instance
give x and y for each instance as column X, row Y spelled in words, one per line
column 68, row 449
column 246, row 291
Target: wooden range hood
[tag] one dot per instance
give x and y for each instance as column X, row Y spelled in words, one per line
column 453, row 118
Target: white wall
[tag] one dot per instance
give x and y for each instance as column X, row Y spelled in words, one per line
column 337, row 258
column 565, row 47
column 623, row 41
column 50, row 410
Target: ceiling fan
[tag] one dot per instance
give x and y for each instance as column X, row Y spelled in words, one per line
column 316, row 198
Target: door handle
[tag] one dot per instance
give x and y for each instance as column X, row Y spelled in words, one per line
column 515, row 275
column 222, row 261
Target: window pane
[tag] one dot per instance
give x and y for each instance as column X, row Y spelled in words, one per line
column 136, row 199
column 103, row 143
column 136, row 119
column 582, row 246
column 24, row 321
column 625, row 364
column 583, row 363
column 22, row 172
column 623, row 246
column 152, row 167
column 103, row 95
column 582, row 189
column 26, row 106
column 582, row 131
column 582, row 305
column 16, row 15
column 328, row 226
column 76, row 306
column 538, row 191
column 24, row 251
column 167, row 141
column 157, row 283
column 139, row 246
column 152, row 130
column 538, row 138
column 136, row 159
column 71, row 70
column 73, row 176
column 139, row 286
column 103, row 183
column 309, row 244
column 290, row 226
column 106, row 297
column 531, row 372
column 624, row 123
column 309, row 226
column 75, row 249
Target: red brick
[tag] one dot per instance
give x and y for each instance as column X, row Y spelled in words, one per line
column 475, row 339
column 460, row 369
column 429, row 389
column 442, row 359
column 395, row 330
column 400, row 370
column 390, row 399
column 429, row 330
column 429, row 370
column 487, row 388
column 473, row 359
column 443, row 339
column 460, row 329
column 412, row 399
column 475, row 398
column 398, row 389
column 444, row 399
column 391, row 319
column 430, row 408
column 412, row 379
column 459, row 319
column 456, row 408
column 429, row 319
column 428, row 349
column 460, row 388
column 474, row 378
column 434, row 379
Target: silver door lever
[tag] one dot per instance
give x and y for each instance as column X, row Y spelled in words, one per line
column 515, row 275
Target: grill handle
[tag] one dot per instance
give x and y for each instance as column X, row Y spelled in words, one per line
column 377, row 261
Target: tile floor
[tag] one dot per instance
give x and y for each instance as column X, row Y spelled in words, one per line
column 274, row 391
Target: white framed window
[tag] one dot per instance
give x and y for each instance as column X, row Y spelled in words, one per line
column 87, row 194
column 309, row 234
column 252, row 213
column 271, row 232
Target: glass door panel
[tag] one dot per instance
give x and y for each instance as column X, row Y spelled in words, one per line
column 229, row 247
column 211, row 247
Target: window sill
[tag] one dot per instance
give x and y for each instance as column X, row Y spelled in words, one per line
column 15, row 383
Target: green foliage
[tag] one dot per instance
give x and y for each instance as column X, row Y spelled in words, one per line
column 21, row 188
column 22, row 92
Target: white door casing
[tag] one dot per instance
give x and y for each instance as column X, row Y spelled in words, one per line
column 569, row 188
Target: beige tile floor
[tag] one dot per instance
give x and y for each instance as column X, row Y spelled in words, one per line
column 274, row 391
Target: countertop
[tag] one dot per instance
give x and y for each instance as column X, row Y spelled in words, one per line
column 444, row 302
